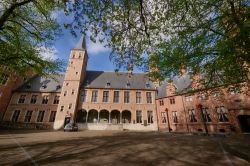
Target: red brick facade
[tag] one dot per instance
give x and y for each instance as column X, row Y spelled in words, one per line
column 216, row 110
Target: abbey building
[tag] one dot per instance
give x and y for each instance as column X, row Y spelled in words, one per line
column 99, row 100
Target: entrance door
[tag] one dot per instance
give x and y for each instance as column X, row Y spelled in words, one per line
column 66, row 121
column 244, row 123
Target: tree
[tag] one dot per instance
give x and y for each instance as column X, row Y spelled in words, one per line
column 205, row 36
column 25, row 27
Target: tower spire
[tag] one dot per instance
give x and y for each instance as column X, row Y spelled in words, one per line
column 81, row 43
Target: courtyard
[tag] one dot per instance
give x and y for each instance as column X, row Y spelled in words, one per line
column 18, row 147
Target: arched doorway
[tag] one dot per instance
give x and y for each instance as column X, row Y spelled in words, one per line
column 244, row 121
column 115, row 117
column 126, row 116
column 92, row 116
column 81, row 116
column 104, row 116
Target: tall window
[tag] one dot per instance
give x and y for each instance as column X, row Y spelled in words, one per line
column 56, row 99
column 116, row 96
column 206, row 115
column 192, row 117
column 161, row 102
column 40, row 116
column 172, row 101
column 83, row 96
column 188, row 98
column 150, row 117
column 22, row 99
column 138, row 117
column 234, row 90
column 149, row 97
column 126, row 97
column 45, row 100
column 52, row 116
column 138, row 97
column 3, row 79
column 222, row 114
column 70, row 105
column 33, row 99
column 94, row 96
column 203, row 96
column 175, row 117
column 217, row 94
column 28, row 116
column 163, row 117
column 105, row 96
column 15, row 116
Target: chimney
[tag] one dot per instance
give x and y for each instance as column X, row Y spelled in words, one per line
column 182, row 70
column 130, row 69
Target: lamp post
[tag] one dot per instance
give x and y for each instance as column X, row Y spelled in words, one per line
column 199, row 106
column 166, row 110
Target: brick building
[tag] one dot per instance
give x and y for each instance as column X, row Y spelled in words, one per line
column 8, row 83
column 96, row 100
column 99, row 100
column 211, row 110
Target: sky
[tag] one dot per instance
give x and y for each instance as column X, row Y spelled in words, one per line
column 98, row 54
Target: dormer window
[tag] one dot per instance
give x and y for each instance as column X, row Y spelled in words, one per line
column 147, row 85
column 44, row 86
column 108, row 84
column 58, row 87
column 28, row 86
column 128, row 85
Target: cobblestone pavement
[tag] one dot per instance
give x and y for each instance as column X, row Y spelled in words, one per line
column 121, row 148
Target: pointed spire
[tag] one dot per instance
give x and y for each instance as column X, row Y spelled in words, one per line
column 81, row 43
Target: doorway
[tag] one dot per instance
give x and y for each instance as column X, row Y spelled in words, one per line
column 244, row 121
column 66, row 120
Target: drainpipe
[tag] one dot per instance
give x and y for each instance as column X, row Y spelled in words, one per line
column 157, row 118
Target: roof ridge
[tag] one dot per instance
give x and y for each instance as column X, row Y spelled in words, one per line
column 115, row 72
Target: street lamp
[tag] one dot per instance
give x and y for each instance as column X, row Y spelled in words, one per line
column 199, row 106
column 166, row 110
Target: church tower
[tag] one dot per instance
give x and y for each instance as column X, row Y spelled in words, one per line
column 74, row 77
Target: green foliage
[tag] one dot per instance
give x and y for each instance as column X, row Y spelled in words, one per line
column 205, row 36
column 26, row 26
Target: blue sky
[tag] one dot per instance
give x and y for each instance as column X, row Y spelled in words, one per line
column 98, row 54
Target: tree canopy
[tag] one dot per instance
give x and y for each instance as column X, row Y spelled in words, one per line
column 26, row 26
column 160, row 36
column 204, row 36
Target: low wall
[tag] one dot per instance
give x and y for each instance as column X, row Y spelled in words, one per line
column 106, row 126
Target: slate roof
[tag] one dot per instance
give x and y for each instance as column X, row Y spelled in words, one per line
column 161, row 90
column 117, row 80
column 41, row 84
column 81, row 43
column 182, row 84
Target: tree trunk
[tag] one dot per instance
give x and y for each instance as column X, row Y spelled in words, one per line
column 7, row 13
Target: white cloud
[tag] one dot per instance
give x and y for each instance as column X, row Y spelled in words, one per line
column 48, row 52
column 96, row 48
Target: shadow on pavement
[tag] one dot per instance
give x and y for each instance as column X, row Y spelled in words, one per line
column 124, row 149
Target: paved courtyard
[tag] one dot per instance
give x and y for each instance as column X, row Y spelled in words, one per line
column 121, row 148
